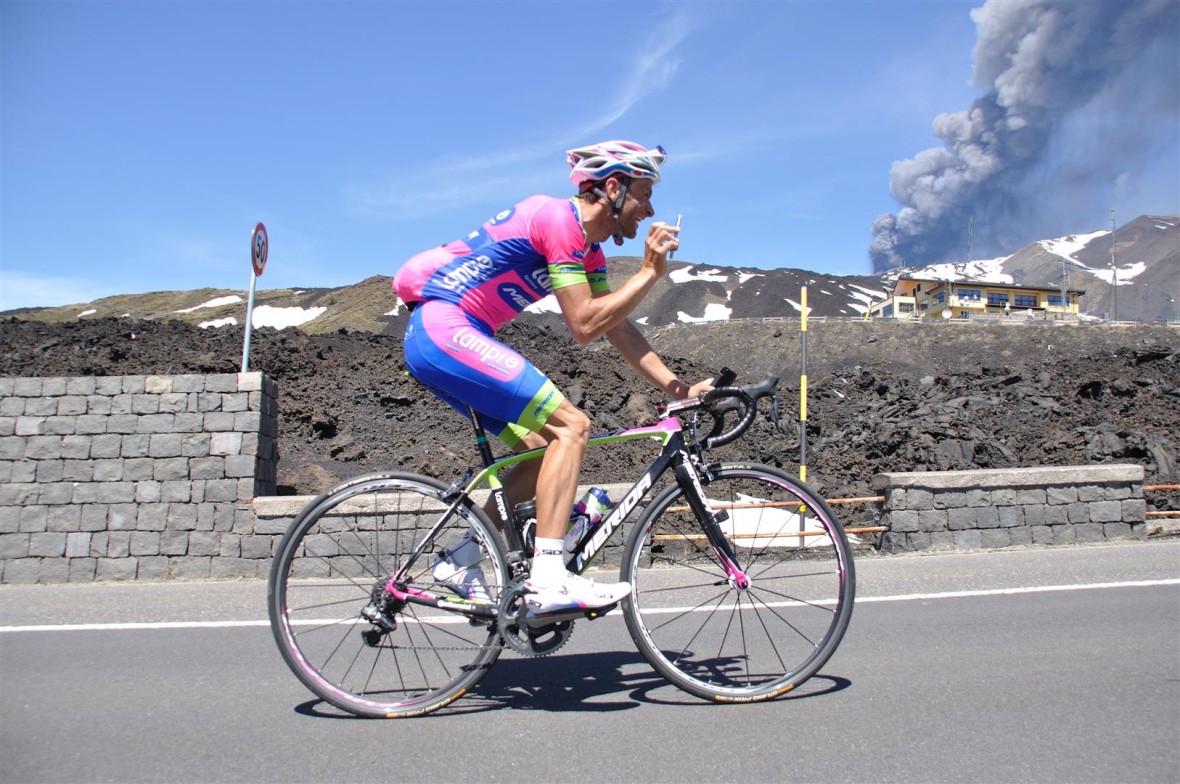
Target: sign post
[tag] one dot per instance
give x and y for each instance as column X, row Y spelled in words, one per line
column 259, row 245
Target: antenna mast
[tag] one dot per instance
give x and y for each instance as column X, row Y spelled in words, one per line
column 1114, row 273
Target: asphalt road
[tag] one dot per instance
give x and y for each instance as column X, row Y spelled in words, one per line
column 1030, row 665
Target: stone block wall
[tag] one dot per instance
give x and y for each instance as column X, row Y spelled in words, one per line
column 1011, row 507
column 133, row 477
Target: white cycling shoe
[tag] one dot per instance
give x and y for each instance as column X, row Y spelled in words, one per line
column 458, row 569
column 573, row 592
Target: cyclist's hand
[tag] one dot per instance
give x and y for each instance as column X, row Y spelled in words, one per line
column 700, row 388
column 661, row 239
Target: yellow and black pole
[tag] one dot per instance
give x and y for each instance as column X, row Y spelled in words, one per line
column 802, row 408
column 803, row 389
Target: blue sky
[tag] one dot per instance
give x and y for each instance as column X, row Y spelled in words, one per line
column 142, row 141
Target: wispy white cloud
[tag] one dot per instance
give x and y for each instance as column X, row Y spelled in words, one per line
column 649, row 73
column 451, row 180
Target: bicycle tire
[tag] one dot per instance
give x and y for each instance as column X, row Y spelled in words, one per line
column 701, row 632
column 336, row 558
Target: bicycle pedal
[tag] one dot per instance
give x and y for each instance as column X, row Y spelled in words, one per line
column 598, row 612
column 537, row 620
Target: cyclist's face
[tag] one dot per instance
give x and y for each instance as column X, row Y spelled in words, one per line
column 637, row 207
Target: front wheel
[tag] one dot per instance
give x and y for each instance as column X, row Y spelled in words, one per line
column 710, row 632
column 349, row 639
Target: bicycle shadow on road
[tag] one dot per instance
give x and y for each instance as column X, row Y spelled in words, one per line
column 601, row 682
column 596, row 682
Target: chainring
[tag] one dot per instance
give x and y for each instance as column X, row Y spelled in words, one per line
column 515, row 631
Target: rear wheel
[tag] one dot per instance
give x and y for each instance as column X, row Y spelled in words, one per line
column 705, row 633
column 344, row 635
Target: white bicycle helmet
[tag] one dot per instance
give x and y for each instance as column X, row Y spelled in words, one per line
column 599, row 161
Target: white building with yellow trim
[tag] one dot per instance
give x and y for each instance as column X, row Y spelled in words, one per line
column 915, row 297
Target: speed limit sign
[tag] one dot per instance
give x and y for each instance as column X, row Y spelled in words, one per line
column 258, row 248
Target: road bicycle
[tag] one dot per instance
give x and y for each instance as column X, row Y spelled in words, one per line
column 742, row 578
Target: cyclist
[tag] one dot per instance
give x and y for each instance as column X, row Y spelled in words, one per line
column 460, row 293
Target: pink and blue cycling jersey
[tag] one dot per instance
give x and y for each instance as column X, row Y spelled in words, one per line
column 507, row 264
column 469, row 288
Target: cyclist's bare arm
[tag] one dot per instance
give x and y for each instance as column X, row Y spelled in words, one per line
column 633, row 346
column 588, row 316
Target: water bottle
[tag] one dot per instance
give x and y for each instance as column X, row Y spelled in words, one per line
column 526, row 515
column 587, row 511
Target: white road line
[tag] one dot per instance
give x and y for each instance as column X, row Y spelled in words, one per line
column 910, row 597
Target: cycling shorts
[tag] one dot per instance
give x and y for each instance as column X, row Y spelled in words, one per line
column 457, row 357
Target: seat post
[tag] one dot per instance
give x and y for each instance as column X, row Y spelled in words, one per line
column 481, row 437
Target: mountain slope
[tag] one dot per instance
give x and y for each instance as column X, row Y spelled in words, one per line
column 1147, row 259
column 1146, row 262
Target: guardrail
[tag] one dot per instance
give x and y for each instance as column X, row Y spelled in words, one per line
column 981, row 319
column 1162, row 489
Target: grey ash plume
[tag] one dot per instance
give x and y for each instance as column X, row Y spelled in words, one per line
column 1081, row 97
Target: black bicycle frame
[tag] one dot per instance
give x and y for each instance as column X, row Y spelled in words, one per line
column 674, row 454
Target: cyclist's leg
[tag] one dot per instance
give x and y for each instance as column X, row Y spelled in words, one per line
column 464, row 365
column 568, row 432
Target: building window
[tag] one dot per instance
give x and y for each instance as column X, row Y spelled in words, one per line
column 1026, row 301
column 970, row 294
column 997, row 298
column 905, row 307
column 887, row 310
column 1055, row 300
column 940, row 297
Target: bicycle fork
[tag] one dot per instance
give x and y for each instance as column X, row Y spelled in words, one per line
column 690, row 481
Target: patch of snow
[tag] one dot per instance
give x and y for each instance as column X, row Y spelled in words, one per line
column 863, row 299
column 1125, row 274
column 397, row 307
column 281, row 318
column 229, row 321
column 1065, row 247
column 977, row 271
column 690, row 273
column 797, row 306
column 744, row 276
column 868, row 294
column 713, row 312
column 547, row 304
column 214, row 303
column 642, row 321
column 87, row 312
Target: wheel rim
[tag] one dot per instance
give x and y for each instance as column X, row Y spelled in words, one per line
column 716, row 640
column 403, row 658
